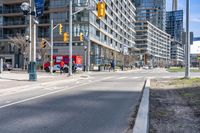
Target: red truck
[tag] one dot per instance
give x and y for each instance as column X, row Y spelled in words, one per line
column 58, row 58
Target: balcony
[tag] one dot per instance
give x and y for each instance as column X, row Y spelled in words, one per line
column 44, row 21
column 13, row 1
column 7, row 11
column 6, row 23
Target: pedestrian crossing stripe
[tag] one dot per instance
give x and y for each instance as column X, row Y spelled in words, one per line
column 122, row 77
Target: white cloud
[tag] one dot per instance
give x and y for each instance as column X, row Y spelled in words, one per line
column 168, row 5
column 195, row 20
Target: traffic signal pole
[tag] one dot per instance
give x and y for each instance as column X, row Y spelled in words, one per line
column 51, row 62
column 70, row 38
column 89, row 43
column 51, row 44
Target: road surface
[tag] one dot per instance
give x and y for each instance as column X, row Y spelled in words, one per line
column 100, row 103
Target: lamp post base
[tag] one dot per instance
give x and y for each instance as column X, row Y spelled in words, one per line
column 32, row 71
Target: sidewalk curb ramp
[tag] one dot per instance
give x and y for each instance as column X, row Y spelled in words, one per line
column 142, row 118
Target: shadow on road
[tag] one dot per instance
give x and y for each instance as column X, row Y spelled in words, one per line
column 86, row 112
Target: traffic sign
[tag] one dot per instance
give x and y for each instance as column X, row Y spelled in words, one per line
column 39, row 5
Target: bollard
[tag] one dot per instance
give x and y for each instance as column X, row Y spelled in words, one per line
column 1, row 65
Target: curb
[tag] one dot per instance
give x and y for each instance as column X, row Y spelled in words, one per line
column 142, row 118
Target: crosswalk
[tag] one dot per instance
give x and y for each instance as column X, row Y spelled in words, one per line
column 149, row 77
column 124, row 78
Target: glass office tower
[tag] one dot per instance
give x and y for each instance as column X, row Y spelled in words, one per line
column 174, row 24
column 174, row 27
column 153, row 11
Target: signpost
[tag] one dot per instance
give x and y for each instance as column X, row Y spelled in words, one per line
column 39, row 5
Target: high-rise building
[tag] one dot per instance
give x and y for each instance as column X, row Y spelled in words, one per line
column 174, row 27
column 175, row 5
column 110, row 37
column 153, row 11
column 174, row 24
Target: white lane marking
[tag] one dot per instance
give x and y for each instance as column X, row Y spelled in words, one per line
column 122, row 77
column 50, row 93
column 151, row 77
column 4, row 80
column 136, row 77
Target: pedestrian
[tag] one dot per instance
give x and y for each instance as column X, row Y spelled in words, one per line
column 62, row 64
column 113, row 65
column 110, row 66
column 73, row 67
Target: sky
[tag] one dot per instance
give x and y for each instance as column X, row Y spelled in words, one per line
column 194, row 14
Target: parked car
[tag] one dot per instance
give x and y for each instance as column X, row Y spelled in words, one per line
column 145, row 67
column 7, row 67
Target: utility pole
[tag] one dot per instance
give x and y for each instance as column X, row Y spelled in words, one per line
column 187, row 50
column 70, row 38
column 89, row 44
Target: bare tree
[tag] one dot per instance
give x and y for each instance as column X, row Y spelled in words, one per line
column 43, row 54
column 21, row 42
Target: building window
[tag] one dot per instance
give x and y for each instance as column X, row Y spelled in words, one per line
column 97, row 33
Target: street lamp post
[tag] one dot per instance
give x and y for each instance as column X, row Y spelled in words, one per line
column 30, row 32
column 187, row 50
column 29, row 9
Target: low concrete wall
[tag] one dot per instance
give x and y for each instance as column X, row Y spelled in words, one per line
column 142, row 118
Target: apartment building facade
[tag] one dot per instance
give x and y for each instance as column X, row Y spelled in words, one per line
column 154, row 45
column 177, row 53
column 110, row 37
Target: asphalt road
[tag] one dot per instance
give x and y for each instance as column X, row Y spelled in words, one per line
column 102, row 103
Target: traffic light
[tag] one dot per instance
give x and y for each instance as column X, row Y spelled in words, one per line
column 43, row 44
column 66, row 37
column 101, row 9
column 60, row 29
column 81, row 37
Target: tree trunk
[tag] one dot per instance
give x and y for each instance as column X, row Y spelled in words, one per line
column 24, row 63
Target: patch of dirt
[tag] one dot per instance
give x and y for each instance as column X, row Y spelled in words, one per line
column 173, row 108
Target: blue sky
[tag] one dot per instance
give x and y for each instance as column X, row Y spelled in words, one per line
column 194, row 14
